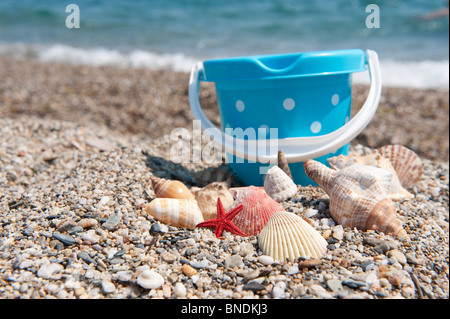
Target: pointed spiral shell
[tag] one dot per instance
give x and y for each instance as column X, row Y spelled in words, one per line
column 165, row 188
column 358, row 197
column 176, row 212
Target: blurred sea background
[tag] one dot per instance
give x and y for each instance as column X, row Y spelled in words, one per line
column 412, row 41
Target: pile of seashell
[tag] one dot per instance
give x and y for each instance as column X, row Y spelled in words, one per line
column 362, row 191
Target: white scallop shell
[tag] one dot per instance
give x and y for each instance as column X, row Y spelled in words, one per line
column 287, row 235
column 278, row 184
column 176, row 212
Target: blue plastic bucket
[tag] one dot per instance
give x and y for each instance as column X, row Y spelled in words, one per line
column 300, row 97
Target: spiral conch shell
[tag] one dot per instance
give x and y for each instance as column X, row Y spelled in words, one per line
column 258, row 207
column 207, row 198
column 287, row 235
column 406, row 163
column 394, row 188
column 358, row 196
column 165, row 188
column 176, row 212
column 278, row 185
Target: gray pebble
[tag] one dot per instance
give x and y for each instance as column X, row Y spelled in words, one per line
column 65, row 239
column 368, row 265
column 335, row 285
column 234, row 261
column 85, row 256
column 382, row 248
column 112, row 222
column 353, row 283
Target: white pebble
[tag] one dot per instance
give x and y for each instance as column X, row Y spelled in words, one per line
column 150, row 279
column 311, row 212
column 186, row 242
column 47, row 271
column 104, row 200
column 108, row 287
column 91, row 237
column 278, row 290
column 265, row 260
column 179, row 290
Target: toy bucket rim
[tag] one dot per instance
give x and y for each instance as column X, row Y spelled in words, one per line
column 231, row 69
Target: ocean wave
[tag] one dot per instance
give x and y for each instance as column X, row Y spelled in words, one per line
column 415, row 74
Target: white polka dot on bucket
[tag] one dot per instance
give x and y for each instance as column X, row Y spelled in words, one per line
column 289, row 104
column 316, row 127
column 240, row 106
column 335, row 99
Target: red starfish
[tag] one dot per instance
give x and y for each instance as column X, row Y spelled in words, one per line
column 223, row 221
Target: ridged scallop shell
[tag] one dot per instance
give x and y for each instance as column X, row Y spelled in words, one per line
column 406, row 163
column 258, row 208
column 165, row 188
column 287, row 235
column 207, row 198
column 176, row 212
column 283, row 164
column 278, row 185
column 394, row 189
column 358, row 197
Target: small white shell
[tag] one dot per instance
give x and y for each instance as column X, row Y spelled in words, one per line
column 279, row 185
column 176, row 212
column 287, row 235
column 149, row 279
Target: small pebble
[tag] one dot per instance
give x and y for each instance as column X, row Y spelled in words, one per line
column 188, row 270
column 150, row 279
column 179, row 290
column 265, row 260
column 112, row 222
column 65, row 239
column 47, row 271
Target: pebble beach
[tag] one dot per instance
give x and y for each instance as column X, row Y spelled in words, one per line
column 78, row 145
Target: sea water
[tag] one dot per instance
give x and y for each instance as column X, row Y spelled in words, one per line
column 412, row 39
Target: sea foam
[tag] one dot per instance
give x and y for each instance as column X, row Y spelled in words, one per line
column 395, row 73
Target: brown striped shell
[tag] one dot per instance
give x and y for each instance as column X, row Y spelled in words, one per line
column 358, row 197
column 287, row 235
column 394, row 189
column 258, row 207
column 176, row 212
column 165, row 188
column 283, row 164
column 406, row 163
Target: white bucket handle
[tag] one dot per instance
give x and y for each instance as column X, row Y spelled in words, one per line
column 296, row 149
